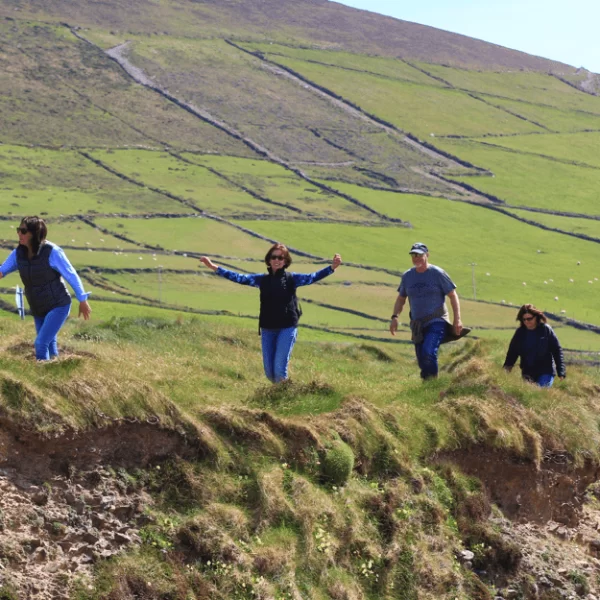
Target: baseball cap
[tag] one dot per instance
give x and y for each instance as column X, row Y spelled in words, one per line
column 419, row 248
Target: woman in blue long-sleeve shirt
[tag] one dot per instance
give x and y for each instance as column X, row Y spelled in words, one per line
column 41, row 265
column 279, row 311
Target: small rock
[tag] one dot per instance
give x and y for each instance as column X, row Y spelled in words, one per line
column 121, row 538
column 511, row 593
column 90, row 537
column 466, row 555
column 40, row 498
column 40, row 555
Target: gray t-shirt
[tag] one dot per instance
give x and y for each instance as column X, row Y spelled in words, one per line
column 426, row 291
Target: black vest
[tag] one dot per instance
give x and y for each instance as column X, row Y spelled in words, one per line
column 278, row 302
column 44, row 289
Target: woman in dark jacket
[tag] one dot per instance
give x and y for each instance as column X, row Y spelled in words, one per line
column 42, row 265
column 279, row 311
column 538, row 347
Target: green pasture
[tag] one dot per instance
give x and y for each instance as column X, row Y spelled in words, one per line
column 527, row 86
column 273, row 111
column 454, row 232
column 418, row 109
column 193, row 183
column 553, row 118
column 281, row 185
column 589, row 227
column 63, row 182
column 195, row 234
column 570, row 147
column 129, row 259
column 71, row 233
column 525, row 180
column 80, row 97
column 378, row 65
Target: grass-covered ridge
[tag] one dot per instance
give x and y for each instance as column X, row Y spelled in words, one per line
column 320, row 486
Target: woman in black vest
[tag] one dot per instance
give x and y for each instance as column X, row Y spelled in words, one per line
column 538, row 347
column 279, row 310
column 41, row 265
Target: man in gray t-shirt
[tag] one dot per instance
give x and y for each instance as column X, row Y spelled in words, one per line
column 426, row 287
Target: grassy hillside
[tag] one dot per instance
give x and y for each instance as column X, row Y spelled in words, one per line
column 149, row 134
column 332, row 486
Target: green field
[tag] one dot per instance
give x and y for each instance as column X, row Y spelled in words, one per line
column 528, row 87
column 529, row 180
column 552, row 119
column 419, row 109
column 61, row 91
column 377, row 65
column 589, row 227
column 581, row 148
column 63, row 182
column 278, row 184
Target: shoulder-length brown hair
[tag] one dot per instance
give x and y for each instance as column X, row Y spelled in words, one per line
column 287, row 258
column 38, row 230
column 532, row 310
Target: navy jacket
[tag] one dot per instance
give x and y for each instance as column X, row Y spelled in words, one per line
column 548, row 353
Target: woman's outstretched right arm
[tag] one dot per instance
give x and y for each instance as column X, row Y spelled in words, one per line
column 9, row 265
column 252, row 280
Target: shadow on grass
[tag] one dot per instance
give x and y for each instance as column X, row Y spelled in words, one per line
column 289, row 398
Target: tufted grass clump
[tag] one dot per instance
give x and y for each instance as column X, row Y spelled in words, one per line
column 337, row 463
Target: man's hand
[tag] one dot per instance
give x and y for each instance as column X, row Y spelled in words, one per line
column 337, row 261
column 208, row 263
column 394, row 325
column 85, row 310
column 458, row 327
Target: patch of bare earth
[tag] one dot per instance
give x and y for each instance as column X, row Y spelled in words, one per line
column 550, row 512
column 61, row 509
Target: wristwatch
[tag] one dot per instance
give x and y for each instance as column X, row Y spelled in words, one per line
column 394, row 316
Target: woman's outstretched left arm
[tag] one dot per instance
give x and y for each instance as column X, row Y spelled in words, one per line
column 301, row 279
column 59, row 262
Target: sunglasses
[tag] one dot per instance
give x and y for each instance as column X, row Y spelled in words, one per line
column 276, row 257
column 528, row 318
column 22, row 230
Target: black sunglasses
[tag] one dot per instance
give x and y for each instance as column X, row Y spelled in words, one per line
column 22, row 230
column 276, row 257
column 528, row 318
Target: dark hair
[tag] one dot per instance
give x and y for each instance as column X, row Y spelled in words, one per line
column 286, row 255
column 38, row 230
column 531, row 309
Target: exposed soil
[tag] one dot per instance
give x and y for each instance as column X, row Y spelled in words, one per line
column 61, row 509
column 552, row 515
column 524, row 492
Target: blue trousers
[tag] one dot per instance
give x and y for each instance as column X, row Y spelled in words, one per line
column 277, row 346
column 545, row 380
column 427, row 350
column 47, row 329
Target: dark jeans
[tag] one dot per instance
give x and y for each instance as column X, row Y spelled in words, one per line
column 427, row 350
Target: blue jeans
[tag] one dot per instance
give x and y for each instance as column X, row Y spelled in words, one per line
column 277, row 346
column 427, row 350
column 47, row 329
column 545, row 380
